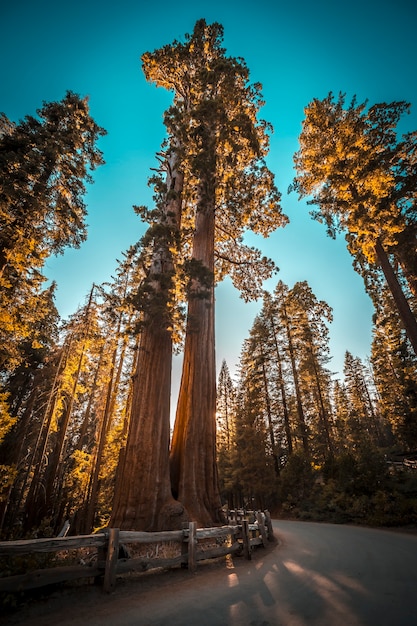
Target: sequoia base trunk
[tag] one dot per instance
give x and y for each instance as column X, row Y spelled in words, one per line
column 193, row 451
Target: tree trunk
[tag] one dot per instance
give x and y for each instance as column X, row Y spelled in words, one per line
column 193, row 451
column 32, row 504
column 143, row 499
column 287, row 425
column 102, row 430
column 323, row 413
column 406, row 254
column 300, row 411
column 54, row 474
column 269, row 417
column 82, row 436
column 404, row 311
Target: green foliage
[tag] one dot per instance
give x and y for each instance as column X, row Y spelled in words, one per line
column 221, row 147
column 395, row 371
column 200, row 279
column 296, row 481
column 353, row 487
column 343, row 475
column 357, row 173
column 44, row 164
column 359, row 472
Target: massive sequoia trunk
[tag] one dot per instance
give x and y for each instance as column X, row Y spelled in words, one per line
column 222, row 147
column 193, row 451
column 143, row 499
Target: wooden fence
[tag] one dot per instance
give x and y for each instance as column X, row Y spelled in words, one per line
column 111, row 547
column 401, row 464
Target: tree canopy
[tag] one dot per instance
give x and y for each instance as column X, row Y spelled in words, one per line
column 44, row 165
column 85, row 404
column 363, row 180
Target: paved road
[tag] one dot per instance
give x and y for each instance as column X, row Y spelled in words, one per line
column 317, row 575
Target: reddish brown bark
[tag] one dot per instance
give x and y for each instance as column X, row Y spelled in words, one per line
column 143, row 499
column 302, row 426
column 405, row 313
column 193, row 451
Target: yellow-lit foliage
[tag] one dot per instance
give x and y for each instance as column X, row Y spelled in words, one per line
column 79, row 476
column 349, row 163
column 6, row 420
column 44, row 164
column 214, row 119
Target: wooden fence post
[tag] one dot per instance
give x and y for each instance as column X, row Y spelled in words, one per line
column 192, row 546
column 111, row 560
column 268, row 523
column 246, row 540
column 261, row 524
column 101, row 556
column 184, row 544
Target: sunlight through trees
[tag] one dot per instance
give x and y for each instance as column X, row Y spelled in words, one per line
column 85, row 403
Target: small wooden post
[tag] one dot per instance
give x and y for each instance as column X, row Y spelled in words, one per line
column 192, row 546
column 111, row 560
column 184, row 544
column 261, row 525
column 101, row 556
column 246, row 540
column 268, row 523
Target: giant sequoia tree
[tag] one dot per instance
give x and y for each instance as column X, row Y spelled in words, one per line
column 231, row 190
column 221, row 188
column 363, row 180
column 143, row 499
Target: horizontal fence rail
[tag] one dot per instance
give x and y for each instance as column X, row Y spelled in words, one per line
column 112, row 551
column 402, row 462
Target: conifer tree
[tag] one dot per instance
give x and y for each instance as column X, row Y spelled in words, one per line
column 226, row 435
column 44, row 164
column 344, row 436
column 225, row 407
column 227, row 189
column 143, row 499
column 395, row 374
column 361, row 405
column 281, row 297
column 254, row 466
column 309, row 318
column 363, row 181
column 269, row 315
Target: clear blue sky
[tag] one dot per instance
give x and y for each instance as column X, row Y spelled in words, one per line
column 297, row 50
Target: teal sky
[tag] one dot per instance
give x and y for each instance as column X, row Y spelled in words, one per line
column 297, row 50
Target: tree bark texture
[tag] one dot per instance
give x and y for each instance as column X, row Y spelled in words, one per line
column 193, row 450
column 143, row 499
column 404, row 311
column 300, row 411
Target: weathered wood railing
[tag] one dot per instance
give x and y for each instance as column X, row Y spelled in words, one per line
column 401, row 464
column 107, row 564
